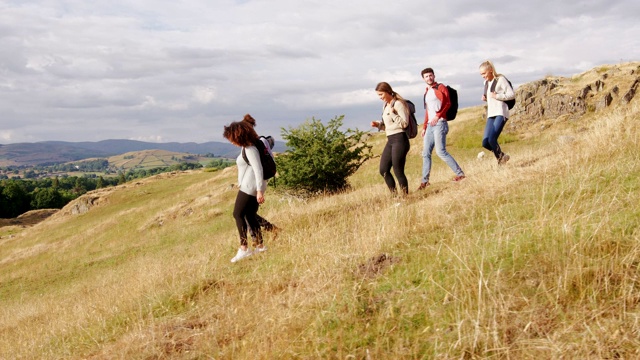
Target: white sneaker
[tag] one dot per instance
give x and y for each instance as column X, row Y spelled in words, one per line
column 241, row 255
column 260, row 249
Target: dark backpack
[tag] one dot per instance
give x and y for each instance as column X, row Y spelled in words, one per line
column 453, row 109
column 510, row 103
column 452, row 112
column 412, row 128
column 268, row 163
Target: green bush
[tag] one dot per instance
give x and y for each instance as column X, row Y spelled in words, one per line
column 320, row 158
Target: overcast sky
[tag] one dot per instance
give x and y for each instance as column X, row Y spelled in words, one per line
column 177, row 71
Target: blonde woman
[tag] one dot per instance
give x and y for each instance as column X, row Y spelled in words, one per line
column 497, row 91
column 395, row 118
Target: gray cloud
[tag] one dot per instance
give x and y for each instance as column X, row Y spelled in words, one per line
column 166, row 71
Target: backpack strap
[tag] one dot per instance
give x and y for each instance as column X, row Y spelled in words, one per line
column 493, row 85
column 495, row 82
column 244, row 156
column 393, row 106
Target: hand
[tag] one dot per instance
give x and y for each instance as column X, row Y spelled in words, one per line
column 260, row 197
column 375, row 124
column 434, row 122
column 424, row 131
column 494, row 95
column 484, row 97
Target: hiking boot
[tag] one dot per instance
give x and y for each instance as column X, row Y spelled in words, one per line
column 241, row 255
column 458, row 178
column 423, row 185
column 503, row 160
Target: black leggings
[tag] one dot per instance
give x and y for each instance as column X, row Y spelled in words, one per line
column 395, row 155
column 245, row 212
column 263, row 223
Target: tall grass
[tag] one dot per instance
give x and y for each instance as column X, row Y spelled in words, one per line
column 536, row 259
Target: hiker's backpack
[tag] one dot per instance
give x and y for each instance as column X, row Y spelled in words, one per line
column 510, row 103
column 452, row 112
column 412, row 129
column 453, row 109
column 268, row 163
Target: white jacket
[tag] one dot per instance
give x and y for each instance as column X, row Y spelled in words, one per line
column 496, row 107
column 250, row 177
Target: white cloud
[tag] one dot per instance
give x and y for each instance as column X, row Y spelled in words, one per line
column 149, row 138
column 78, row 71
column 6, row 136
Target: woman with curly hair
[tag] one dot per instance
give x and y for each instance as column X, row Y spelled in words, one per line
column 251, row 185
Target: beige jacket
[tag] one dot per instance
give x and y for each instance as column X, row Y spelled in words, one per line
column 394, row 118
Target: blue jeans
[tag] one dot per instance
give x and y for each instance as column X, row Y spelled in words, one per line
column 436, row 136
column 492, row 131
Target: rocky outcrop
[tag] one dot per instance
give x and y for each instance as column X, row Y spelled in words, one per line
column 85, row 202
column 555, row 97
column 538, row 100
column 629, row 95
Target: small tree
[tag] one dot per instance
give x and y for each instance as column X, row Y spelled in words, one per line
column 321, row 158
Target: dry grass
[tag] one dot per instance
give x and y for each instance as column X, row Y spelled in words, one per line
column 538, row 259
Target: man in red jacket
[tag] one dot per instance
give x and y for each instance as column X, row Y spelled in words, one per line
column 435, row 128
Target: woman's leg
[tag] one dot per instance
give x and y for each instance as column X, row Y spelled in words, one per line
column 492, row 131
column 244, row 212
column 264, row 223
column 399, row 150
column 385, row 166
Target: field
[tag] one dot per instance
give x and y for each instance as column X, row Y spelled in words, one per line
column 534, row 260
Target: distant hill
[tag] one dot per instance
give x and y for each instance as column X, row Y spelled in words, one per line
column 148, row 159
column 53, row 152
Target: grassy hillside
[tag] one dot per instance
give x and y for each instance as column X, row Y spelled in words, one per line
column 149, row 159
column 534, row 260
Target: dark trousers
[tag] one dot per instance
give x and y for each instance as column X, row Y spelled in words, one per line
column 394, row 156
column 244, row 212
column 262, row 223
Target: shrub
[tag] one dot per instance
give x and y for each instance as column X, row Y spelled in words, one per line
column 320, row 158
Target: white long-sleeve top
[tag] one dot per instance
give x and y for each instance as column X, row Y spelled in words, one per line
column 497, row 106
column 250, row 177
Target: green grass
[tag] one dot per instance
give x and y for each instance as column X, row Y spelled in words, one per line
column 537, row 259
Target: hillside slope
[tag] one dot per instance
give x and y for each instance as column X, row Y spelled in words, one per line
column 536, row 259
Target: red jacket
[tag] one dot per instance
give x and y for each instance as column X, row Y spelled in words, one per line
column 442, row 93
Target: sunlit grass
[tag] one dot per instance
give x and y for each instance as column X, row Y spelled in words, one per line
column 537, row 259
